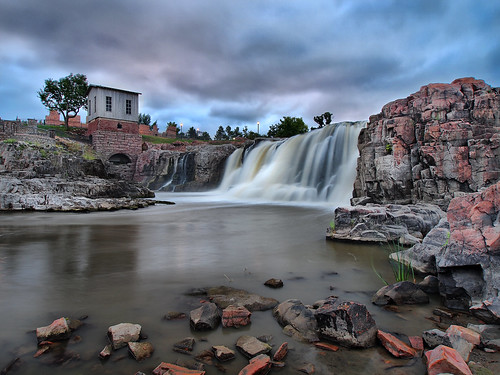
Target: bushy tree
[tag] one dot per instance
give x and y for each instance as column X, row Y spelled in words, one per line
column 220, row 135
column 66, row 96
column 144, row 119
column 288, row 127
column 192, row 133
column 322, row 120
column 205, row 136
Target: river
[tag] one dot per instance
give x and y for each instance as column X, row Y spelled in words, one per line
column 135, row 266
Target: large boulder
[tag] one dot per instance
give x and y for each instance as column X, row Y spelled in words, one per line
column 385, row 223
column 298, row 319
column 434, row 144
column 347, row 323
column 469, row 265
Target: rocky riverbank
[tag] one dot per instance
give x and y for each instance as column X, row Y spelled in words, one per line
column 428, row 177
column 53, row 178
column 332, row 326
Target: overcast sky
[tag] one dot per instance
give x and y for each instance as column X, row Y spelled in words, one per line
column 207, row 63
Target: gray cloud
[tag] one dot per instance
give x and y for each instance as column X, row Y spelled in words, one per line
column 236, row 62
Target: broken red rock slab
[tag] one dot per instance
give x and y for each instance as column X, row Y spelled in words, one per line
column 57, row 330
column 259, row 365
column 444, row 359
column 326, row 346
column 395, row 346
column 281, row 352
column 165, row 368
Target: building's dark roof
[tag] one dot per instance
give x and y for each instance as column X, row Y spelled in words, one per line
column 111, row 88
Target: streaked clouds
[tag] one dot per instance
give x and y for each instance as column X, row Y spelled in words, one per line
column 235, row 62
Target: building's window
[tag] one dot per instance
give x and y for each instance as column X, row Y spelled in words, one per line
column 108, row 103
column 95, row 104
column 90, row 106
column 128, row 107
column 119, row 126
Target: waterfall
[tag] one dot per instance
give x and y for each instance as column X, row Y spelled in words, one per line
column 178, row 172
column 319, row 166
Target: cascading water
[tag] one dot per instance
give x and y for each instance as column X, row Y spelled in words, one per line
column 319, row 166
column 178, row 172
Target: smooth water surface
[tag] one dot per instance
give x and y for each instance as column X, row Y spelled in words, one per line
column 135, row 266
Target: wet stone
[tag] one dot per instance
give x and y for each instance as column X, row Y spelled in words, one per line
column 140, row 350
column 106, row 352
column 174, row 315
column 206, row 317
column 235, row 316
column 274, row 283
column 259, row 365
column 281, row 352
column 165, row 368
column 223, row 353
column 57, row 330
column 251, row 346
column 185, row 345
column 121, row 334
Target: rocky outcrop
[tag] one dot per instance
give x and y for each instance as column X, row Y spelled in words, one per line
column 431, row 146
column 191, row 168
column 469, row 264
column 384, row 223
column 52, row 178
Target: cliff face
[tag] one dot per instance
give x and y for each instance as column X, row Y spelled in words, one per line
column 432, row 145
column 191, row 168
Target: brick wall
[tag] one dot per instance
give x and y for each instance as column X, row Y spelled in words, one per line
column 145, row 130
column 53, row 118
column 109, row 125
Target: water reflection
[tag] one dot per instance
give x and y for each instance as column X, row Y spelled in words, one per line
column 135, row 266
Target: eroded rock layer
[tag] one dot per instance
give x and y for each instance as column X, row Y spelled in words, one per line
column 440, row 141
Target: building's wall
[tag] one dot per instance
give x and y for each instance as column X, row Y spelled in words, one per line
column 97, row 104
column 110, row 125
column 108, row 143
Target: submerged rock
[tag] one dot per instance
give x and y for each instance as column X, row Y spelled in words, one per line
column 223, row 353
column 235, row 316
column 224, row 296
column 259, row 365
column 251, row 346
column 166, row 368
column 120, row 334
column 274, row 283
column 140, row 350
column 57, row 330
column 206, row 317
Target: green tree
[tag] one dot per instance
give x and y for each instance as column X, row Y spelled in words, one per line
column 144, row 119
column 205, row 136
column 220, row 135
column 66, row 96
column 288, row 127
column 322, row 120
column 192, row 133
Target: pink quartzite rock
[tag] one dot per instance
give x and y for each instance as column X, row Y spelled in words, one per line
column 471, row 260
column 441, row 140
column 165, row 368
column 259, row 365
column 57, row 330
column 446, row 360
column 120, row 334
column 395, row 346
column 140, row 350
column 235, row 316
column 281, row 352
